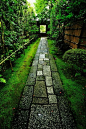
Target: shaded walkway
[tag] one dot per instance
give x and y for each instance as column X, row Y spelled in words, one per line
column 43, row 105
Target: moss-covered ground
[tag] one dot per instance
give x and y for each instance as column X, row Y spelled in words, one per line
column 11, row 92
column 73, row 84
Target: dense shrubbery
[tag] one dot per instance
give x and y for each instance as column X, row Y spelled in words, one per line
column 65, row 12
column 77, row 57
column 17, row 22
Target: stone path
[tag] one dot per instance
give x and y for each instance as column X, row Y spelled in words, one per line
column 43, row 105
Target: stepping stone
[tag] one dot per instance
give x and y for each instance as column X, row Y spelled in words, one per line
column 58, row 88
column 33, row 69
column 40, row 89
column 37, row 55
column 30, row 81
column 46, row 59
column 65, row 113
column 40, row 78
column 53, row 66
column 21, row 119
column 40, row 59
column 32, row 75
column 51, row 57
column 52, row 99
column 46, row 71
column 50, row 90
column 42, row 56
column 48, row 81
column 35, row 62
column 40, row 100
column 36, row 58
column 41, row 62
column 26, row 99
column 38, row 51
column 46, row 68
column 39, row 73
column 46, row 62
column 40, row 66
column 44, row 117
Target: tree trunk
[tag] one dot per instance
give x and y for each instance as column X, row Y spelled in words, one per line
column 2, row 37
column 10, row 60
column 3, row 44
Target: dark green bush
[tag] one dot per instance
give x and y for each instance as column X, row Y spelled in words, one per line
column 77, row 57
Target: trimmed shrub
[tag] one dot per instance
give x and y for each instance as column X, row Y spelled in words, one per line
column 77, row 57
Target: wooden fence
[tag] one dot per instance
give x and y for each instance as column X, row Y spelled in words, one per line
column 75, row 35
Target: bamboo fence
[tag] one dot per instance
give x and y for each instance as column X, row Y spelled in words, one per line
column 75, row 35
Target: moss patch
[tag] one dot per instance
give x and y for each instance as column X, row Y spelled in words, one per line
column 10, row 94
column 74, row 87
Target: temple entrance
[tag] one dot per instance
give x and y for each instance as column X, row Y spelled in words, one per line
column 42, row 28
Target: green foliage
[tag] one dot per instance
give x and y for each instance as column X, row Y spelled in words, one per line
column 17, row 19
column 74, row 85
column 64, row 11
column 42, row 28
column 2, row 80
column 76, row 56
column 42, row 9
column 10, row 93
column 40, row 5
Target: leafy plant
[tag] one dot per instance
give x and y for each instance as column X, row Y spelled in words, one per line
column 2, row 80
column 77, row 57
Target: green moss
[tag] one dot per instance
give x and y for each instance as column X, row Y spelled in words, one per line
column 74, row 87
column 10, row 94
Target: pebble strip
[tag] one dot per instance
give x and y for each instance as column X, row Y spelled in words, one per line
column 43, row 105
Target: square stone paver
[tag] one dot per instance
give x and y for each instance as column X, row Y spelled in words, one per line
column 42, row 56
column 48, row 81
column 46, row 68
column 46, row 59
column 52, row 99
column 35, row 62
column 40, row 100
column 30, row 81
column 46, row 71
column 40, row 78
column 50, row 90
column 41, row 62
column 40, row 66
column 40, row 59
column 46, row 62
column 40, row 89
column 33, row 69
column 39, row 73
column 53, row 65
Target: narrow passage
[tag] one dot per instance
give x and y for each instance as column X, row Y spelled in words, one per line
column 43, row 105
